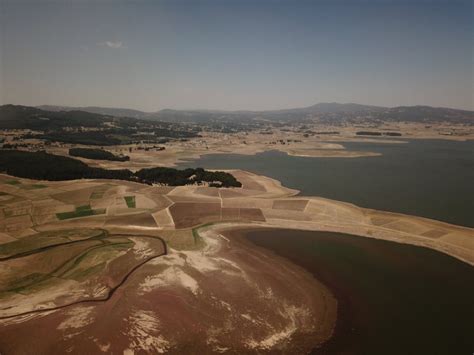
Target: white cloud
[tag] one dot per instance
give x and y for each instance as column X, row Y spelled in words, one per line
column 112, row 44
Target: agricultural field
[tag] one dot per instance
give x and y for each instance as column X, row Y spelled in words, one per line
column 170, row 185
column 80, row 211
column 130, row 201
column 71, row 251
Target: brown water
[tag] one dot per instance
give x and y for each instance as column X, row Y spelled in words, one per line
column 392, row 298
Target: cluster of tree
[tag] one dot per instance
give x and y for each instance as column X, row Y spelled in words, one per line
column 86, row 138
column 326, row 132
column 96, row 154
column 175, row 177
column 14, row 146
column 159, row 130
column 45, row 166
column 369, row 133
column 392, row 134
column 116, row 136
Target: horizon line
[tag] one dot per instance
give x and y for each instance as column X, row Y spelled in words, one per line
column 238, row 110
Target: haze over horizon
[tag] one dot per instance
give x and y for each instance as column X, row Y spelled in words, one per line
column 245, row 55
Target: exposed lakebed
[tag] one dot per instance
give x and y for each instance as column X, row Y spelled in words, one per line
column 392, row 298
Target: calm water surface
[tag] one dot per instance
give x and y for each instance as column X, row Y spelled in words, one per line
column 428, row 178
column 392, row 298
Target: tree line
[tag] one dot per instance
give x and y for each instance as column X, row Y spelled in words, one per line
column 44, row 166
column 96, row 154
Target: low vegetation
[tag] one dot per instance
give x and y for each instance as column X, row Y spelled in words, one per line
column 81, row 211
column 130, row 201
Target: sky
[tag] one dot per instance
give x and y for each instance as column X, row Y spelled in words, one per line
column 236, row 54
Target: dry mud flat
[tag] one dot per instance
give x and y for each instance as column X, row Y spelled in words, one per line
column 227, row 297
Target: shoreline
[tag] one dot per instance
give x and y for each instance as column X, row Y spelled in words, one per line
column 198, row 280
column 342, row 324
column 372, row 232
column 319, row 214
column 338, row 324
column 179, row 154
column 328, row 323
column 350, row 331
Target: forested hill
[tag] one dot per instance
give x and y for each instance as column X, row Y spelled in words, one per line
column 108, row 111
column 80, row 127
column 25, row 117
column 325, row 110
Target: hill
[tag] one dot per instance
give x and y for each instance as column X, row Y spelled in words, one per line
column 333, row 111
column 21, row 117
column 426, row 114
column 330, row 112
column 109, row 111
column 81, row 127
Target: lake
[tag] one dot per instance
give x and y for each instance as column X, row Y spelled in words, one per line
column 392, row 298
column 428, row 178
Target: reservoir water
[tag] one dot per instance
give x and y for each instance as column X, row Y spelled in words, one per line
column 428, row 178
column 392, row 298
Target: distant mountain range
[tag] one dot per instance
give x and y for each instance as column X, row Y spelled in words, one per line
column 68, row 126
column 109, row 111
column 21, row 117
column 58, row 117
column 325, row 111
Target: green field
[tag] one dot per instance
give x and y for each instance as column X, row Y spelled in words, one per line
column 130, row 200
column 81, row 211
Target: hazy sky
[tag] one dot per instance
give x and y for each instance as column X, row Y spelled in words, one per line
column 236, row 54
